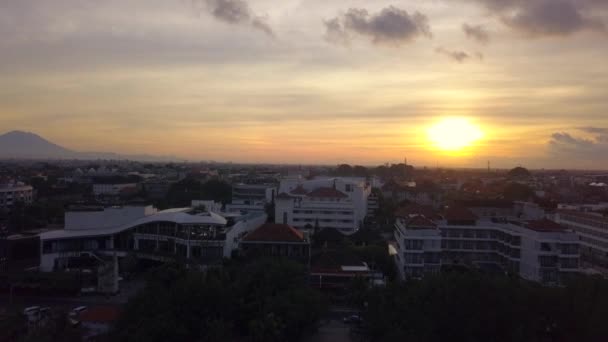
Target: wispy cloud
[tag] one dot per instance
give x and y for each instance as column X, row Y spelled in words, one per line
column 458, row 55
column 476, row 32
column 236, row 12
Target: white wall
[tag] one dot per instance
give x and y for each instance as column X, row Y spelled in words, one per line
column 236, row 232
column 109, row 217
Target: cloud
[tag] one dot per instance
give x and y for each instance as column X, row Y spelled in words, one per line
column 237, row 12
column 476, row 32
column 581, row 148
column 538, row 18
column 457, row 55
column 391, row 26
column 334, row 32
column 594, row 130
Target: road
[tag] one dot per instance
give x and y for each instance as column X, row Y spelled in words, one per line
column 60, row 302
column 332, row 328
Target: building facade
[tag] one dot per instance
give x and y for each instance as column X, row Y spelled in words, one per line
column 339, row 203
column 276, row 240
column 537, row 250
column 12, row 193
column 251, row 197
column 592, row 229
column 191, row 234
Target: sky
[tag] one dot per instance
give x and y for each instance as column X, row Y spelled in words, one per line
column 311, row 81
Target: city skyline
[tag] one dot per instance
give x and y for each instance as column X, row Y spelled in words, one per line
column 311, row 82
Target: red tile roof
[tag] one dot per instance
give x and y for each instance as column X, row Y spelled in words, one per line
column 420, row 222
column 456, row 213
column 299, row 190
column 275, row 232
column 415, row 209
column 103, row 314
column 545, row 225
column 326, row 193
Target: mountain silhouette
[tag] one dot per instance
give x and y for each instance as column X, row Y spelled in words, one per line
column 27, row 145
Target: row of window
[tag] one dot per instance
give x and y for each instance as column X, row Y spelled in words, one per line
column 599, row 222
column 326, row 212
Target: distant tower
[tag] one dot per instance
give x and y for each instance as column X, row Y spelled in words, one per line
column 488, row 166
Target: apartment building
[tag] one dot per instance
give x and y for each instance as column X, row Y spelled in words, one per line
column 251, row 197
column 339, row 203
column 538, row 250
column 15, row 192
column 592, row 230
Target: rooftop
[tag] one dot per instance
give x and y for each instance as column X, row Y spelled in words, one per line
column 326, row 192
column 545, row 225
column 420, row 222
column 275, row 232
column 458, row 213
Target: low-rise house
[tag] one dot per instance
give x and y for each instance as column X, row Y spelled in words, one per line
column 276, row 240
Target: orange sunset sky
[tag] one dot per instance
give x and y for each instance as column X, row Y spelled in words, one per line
column 310, row 81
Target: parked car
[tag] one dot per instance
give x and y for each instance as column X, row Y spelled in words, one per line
column 77, row 310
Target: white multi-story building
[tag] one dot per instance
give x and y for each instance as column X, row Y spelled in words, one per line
column 592, row 229
column 373, row 203
column 538, row 250
column 339, row 203
column 183, row 233
column 12, row 193
column 102, row 189
column 251, row 197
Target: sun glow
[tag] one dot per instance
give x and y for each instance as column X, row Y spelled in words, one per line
column 454, row 134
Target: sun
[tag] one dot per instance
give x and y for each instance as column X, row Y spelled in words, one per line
column 454, row 134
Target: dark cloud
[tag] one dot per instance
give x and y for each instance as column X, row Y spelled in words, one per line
column 536, row 18
column 476, row 32
column 588, row 149
column 391, row 26
column 237, row 12
column 457, row 55
column 594, row 130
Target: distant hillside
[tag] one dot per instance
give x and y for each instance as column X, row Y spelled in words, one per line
column 26, row 145
column 18, row 144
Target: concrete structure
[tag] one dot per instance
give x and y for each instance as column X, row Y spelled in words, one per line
column 339, row 203
column 12, row 193
column 592, row 229
column 537, row 250
column 251, row 197
column 192, row 234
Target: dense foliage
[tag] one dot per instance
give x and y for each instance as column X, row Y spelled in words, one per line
column 477, row 307
column 184, row 191
column 261, row 301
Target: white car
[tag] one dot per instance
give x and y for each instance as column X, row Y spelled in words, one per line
column 77, row 310
column 31, row 310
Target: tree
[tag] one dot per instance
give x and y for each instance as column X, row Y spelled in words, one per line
column 519, row 173
column 266, row 300
column 471, row 306
column 344, row 170
column 517, row 192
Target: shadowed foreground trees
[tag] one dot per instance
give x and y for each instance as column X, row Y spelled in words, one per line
column 477, row 307
column 261, row 301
